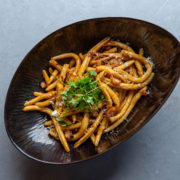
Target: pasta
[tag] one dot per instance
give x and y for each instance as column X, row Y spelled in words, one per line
column 93, row 93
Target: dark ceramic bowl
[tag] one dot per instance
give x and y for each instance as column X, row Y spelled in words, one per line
column 26, row 129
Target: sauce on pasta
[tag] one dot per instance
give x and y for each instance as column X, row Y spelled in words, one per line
column 93, row 93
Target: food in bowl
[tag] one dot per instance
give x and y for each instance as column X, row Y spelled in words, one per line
column 93, row 93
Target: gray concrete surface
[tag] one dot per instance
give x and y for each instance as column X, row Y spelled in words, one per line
column 152, row 154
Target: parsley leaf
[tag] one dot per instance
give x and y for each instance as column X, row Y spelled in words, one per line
column 92, row 73
column 59, row 119
column 72, row 84
column 65, row 123
column 83, row 94
column 82, row 105
column 74, row 102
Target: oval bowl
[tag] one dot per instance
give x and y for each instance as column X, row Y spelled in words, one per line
column 26, row 129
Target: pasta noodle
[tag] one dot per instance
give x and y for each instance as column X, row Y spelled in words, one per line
column 93, row 93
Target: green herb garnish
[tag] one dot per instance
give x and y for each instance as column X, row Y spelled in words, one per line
column 65, row 123
column 83, row 94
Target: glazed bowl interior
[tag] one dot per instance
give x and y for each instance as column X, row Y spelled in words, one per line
column 26, row 129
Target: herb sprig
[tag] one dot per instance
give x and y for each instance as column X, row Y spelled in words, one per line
column 83, row 94
column 61, row 120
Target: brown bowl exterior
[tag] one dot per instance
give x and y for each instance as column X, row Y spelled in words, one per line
column 26, row 129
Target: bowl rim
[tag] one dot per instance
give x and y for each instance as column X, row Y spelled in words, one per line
column 111, row 147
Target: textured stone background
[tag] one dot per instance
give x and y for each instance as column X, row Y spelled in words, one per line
column 152, row 154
